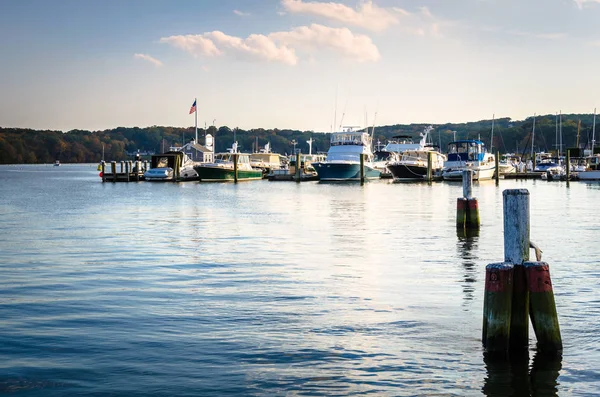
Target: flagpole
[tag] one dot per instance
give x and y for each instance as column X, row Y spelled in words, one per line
column 196, row 117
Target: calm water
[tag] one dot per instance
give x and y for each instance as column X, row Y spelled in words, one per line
column 276, row 288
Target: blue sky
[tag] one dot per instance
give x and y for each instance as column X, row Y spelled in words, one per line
column 296, row 64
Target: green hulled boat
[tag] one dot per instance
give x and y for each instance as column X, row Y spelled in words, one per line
column 222, row 168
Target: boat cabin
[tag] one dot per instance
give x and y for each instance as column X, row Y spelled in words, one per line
column 466, row 150
column 243, row 158
column 167, row 160
column 357, row 138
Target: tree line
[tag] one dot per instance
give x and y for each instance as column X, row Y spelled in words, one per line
column 27, row 146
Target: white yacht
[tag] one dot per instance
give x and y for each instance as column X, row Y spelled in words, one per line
column 468, row 154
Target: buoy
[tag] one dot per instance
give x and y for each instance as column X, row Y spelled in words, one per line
column 101, row 174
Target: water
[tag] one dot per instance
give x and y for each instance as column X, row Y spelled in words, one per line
column 276, row 288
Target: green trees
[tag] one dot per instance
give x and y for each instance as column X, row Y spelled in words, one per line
column 30, row 146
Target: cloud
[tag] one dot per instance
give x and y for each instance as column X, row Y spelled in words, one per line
column 367, row 15
column 279, row 46
column 544, row 36
column 194, row 44
column 340, row 40
column 148, row 58
column 241, row 13
column 581, row 3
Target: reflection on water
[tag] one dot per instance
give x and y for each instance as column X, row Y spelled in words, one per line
column 466, row 248
column 513, row 377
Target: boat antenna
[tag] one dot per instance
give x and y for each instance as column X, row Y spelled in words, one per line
column 594, row 132
column 344, row 112
column 335, row 109
column 373, row 128
column 533, row 136
column 492, row 137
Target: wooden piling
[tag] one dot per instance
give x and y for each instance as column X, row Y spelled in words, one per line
column 497, row 170
column 516, row 251
column 497, row 305
column 235, row 168
column 138, row 164
column 298, row 169
column 127, row 169
column 429, row 166
column 103, row 170
column 122, row 167
column 113, row 168
column 467, row 183
column 362, row 168
column 568, row 165
column 467, row 207
column 543, row 308
column 472, row 216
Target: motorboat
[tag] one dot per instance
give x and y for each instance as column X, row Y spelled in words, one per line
column 223, row 167
column 468, row 154
column 413, row 163
column 592, row 170
column 343, row 157
column 266, row 161
column 170, row 166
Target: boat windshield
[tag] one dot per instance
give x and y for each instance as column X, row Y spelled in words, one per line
column 347, row 139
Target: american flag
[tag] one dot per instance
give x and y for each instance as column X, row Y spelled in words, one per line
column 193, row 108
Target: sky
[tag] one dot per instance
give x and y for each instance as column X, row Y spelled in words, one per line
column 293, row 64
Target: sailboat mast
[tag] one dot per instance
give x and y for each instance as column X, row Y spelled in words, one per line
column 556, row 138
column 492, row 137
column 594, row 132
column 196, row 119
column 533, row 137
column 560, row 134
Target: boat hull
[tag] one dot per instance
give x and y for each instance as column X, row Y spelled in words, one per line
column 589, row 175
column 344, row 171
column 220, row 174
column 409, row 172
column 479, row 174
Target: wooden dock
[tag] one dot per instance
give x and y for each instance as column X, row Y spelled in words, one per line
column 523, row 175
column 131, row 171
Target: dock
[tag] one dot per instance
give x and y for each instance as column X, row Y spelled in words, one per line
column 523, row 175
column 131, row 171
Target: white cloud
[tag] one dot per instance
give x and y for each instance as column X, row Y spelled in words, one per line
column 241, row 13
column 279, row 46
column 367, row 15
column 218, row 43
column 148, row 58
column 255, row 46
column 195, row 44
column 341, row 40
column 581, row 3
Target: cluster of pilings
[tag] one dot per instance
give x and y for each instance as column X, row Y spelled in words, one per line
column 517, row 289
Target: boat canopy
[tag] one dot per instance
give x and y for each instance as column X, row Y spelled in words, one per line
column 466, row 150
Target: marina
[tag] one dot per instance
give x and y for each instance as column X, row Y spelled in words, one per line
column 268, row 288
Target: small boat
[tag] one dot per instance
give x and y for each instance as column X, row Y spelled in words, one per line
column 57, row 163
column 343, row 157
column 307, row 171
column 222, row 169
column 412, row 165
column 266, row 161
column 508, row 163
column 592, row 170
column 169, row 166
column 468, row 154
